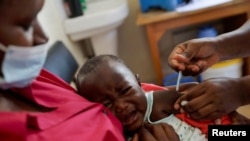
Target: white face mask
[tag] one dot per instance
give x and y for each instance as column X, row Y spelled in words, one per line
column 21, row 65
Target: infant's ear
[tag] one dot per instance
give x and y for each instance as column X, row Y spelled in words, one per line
column 137, row 76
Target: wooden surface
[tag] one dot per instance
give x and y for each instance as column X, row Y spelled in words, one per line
column 158, row 22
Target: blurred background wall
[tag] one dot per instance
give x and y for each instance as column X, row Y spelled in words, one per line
column 133, row 46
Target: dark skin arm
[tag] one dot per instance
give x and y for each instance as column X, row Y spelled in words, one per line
column 164, row 101
column 162, row 131
column 195, row 56
column 215, row 97
column 183, row 87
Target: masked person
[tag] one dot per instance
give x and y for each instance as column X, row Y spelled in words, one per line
column 218, row 96
column 35, row 105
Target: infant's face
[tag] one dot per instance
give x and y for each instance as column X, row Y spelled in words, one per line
column 118, row 89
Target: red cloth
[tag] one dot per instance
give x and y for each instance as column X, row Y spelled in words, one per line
column 202, row 125
column 70, row 118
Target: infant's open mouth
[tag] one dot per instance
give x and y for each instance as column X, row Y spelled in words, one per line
column 130, row 118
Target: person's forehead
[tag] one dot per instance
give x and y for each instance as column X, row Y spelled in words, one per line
column 110, row 73
column 113, row 68
column 21, row 6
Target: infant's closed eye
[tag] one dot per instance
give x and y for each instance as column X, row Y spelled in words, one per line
column 107, row 104
column 125, row 91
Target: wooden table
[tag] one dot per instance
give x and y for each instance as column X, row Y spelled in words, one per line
column 159, row 22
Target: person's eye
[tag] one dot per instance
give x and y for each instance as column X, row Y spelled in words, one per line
column 25, row 27
column 125, row 91
column 107, row 104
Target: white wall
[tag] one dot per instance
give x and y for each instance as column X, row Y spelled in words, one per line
column 133, row 46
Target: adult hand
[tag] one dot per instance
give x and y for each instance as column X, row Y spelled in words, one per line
column 156, row 132
column 194, row 56
column 212, row 98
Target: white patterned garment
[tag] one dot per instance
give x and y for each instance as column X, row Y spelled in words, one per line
column 185, row 131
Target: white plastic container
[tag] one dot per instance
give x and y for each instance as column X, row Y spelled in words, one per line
column 229, row 68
